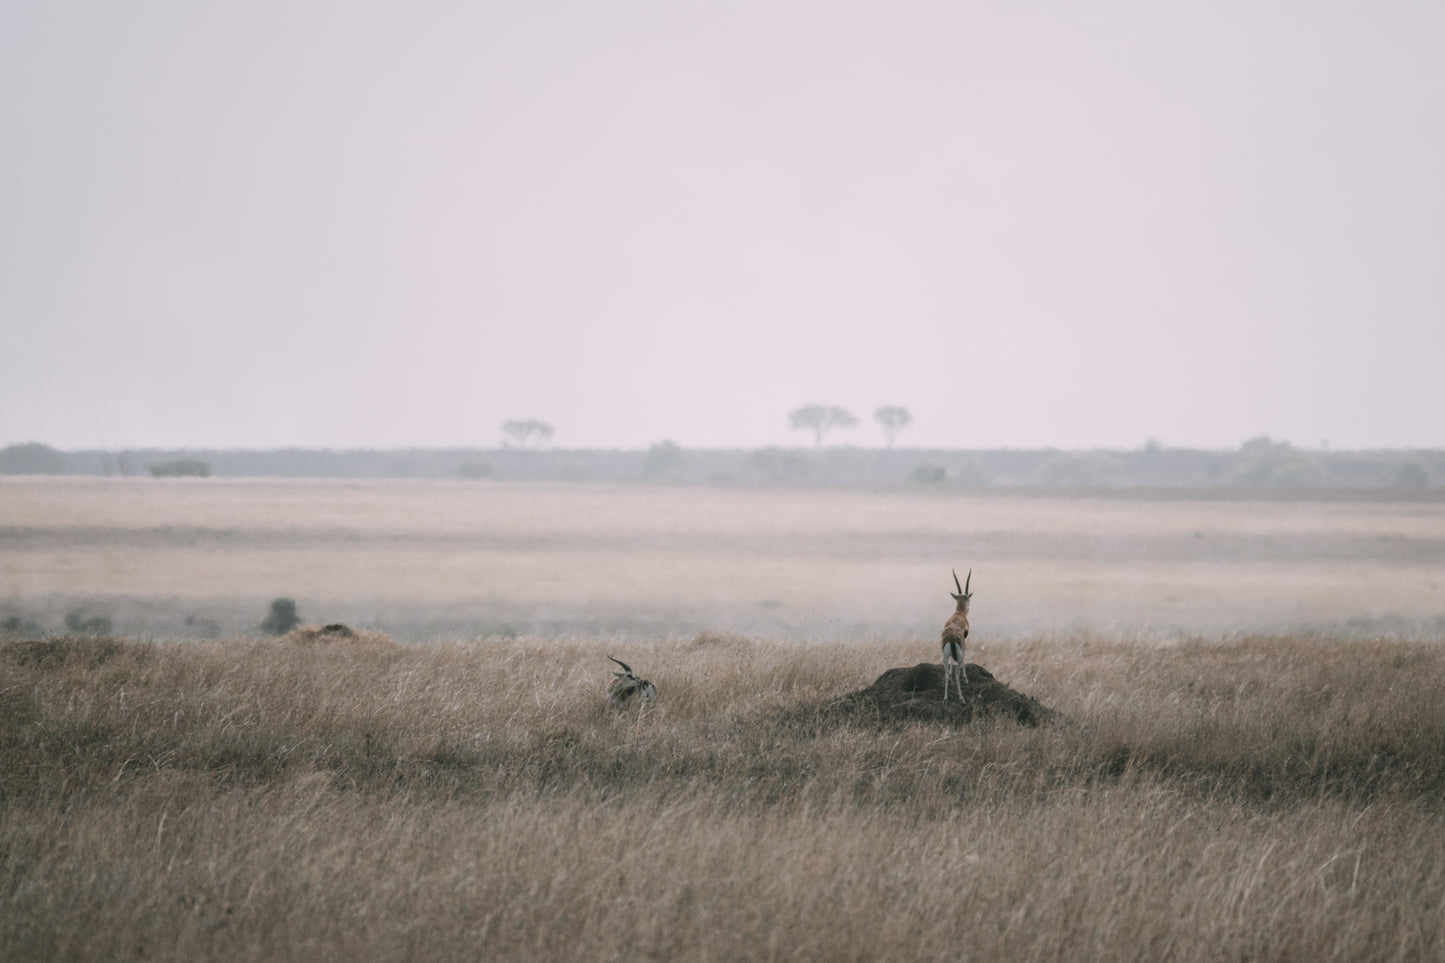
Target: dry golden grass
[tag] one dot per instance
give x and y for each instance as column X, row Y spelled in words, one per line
column 1266, row 798
column 1221, row 796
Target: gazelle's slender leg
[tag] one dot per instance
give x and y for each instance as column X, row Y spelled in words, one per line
column 952, row 659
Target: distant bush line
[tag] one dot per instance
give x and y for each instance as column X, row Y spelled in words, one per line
column 180, row 468
column 1258, row 463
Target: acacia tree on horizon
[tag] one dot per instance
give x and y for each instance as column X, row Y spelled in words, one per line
column 522, row 430
column 820, row 419
column 893, row 419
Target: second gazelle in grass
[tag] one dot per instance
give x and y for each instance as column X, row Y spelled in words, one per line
column 627, row 688
column 955, row 632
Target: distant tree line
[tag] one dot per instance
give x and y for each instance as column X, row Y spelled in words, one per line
column 1258, row 463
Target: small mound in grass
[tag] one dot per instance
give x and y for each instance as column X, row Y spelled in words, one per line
column 336, row 632
column 916, row 694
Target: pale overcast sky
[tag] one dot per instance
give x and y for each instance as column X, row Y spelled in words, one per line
column 1032, row 224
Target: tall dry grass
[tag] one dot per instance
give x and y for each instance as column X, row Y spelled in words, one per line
column 1271, row 798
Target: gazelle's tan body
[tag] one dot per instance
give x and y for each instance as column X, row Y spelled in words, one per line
column 955, row 633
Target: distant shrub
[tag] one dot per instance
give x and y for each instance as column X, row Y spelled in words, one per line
column 21, row 627
column 203, row 628
column 474, row 470
column 81, row 624
column 780, row 464
column 1412, row 475
column 282, row 617
column 181, row 468
column 1080, row 469
column 1275, row 464
column 928, row 474
column 662, row 458
column 31, row 458
column 969, row 472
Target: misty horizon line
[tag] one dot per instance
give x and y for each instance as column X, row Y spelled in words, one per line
column 1146, row 446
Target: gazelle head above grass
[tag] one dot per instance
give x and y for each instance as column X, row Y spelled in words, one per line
column 963, row 595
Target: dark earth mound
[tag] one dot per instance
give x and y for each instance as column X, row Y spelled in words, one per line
column 916, row 693
column 336, row 632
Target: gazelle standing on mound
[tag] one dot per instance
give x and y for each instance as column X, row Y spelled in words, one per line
column 955, row 631
column 627, row 687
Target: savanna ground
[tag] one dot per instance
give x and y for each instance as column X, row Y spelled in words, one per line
column 1253, row 766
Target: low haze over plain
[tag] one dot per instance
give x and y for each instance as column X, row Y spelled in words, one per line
column 1031, row 224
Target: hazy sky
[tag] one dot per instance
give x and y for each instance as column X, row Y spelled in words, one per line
column 1053, row 223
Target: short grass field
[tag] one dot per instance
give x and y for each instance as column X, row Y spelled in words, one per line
column 424, row 561
column 1250, row 764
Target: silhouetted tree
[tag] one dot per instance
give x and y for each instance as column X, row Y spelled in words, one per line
column 820, row 419
column 523, row 430
column 893, row 419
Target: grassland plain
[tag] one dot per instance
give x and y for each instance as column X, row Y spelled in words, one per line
column 1229, row 786
column 449, row 560
column 1263, row 798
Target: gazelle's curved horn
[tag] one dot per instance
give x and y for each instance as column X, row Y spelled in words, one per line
column 625, row 667
column 965, row 581
column 955, row 580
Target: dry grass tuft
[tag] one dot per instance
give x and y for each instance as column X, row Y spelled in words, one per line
column 1272, row 797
